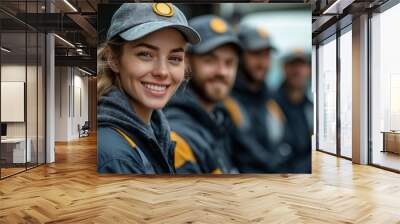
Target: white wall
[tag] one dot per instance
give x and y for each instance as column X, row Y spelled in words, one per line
column 80, row 89
column 33, row 126
column 16, row 73
column 61, row 103
column 13, row 73
column 69, row 85
column 12, row 101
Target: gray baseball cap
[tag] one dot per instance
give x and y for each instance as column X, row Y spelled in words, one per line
column 253, row 38
column 135, row 20
column 297, row 55
column 214, row 32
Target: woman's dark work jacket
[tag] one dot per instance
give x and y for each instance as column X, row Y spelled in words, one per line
column 125, row 144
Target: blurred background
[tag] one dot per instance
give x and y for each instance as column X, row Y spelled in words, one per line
column 289, row 25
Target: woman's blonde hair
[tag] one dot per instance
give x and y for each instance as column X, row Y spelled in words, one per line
column 106, row 77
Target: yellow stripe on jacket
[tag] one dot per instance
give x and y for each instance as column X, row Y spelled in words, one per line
column 275, row 110
column 234, row 110
column 126, row 137
column 183, row 152
column 216, row 171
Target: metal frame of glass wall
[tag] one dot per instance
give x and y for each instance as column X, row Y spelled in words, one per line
column 33, row 47
column 334, row 37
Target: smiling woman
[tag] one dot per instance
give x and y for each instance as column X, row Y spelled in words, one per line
column 140, row 66
column 151, row 69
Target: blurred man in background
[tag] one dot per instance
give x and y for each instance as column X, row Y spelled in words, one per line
column 298, row 110
column 259, row 146
column 197, row 118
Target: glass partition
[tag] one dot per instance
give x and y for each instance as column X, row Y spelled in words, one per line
column 346, row 93
column 22, row 78
column 13, row 109
column 327, row 96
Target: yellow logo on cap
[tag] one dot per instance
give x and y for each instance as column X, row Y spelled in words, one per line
column 163, row 9
column 218, row 25
column 298, row 51
column 262, row 32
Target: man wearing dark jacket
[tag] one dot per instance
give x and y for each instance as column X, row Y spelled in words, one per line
column 197, row 118
column 298, row 110
column 259, row 146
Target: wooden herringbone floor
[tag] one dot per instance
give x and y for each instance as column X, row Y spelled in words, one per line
column 70, row 191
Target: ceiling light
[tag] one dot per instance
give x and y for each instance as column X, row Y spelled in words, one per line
column 64, row 40
column 337, row 7
column 5, row 50
column 70, row 5
column 84, row 71
column 328, row 10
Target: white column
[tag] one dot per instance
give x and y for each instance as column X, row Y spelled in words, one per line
column 50, row 93
column 360, row 90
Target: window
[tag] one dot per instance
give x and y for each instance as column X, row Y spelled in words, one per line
column 346, row 94
column 385, row 89
column 327, row 96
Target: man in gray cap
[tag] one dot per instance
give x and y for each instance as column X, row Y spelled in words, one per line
column 298, row 109
column 257, row 117
column 196, row 114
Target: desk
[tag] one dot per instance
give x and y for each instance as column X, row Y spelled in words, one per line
column 391, row 141
column 13, row 150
